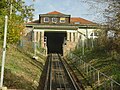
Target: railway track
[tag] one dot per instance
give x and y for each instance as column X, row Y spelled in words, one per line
column 58, row 76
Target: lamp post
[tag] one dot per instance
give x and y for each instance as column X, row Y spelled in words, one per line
column 4, row 51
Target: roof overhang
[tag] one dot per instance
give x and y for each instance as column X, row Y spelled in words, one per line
column 62, row 27
column 54, row 30
column 54, row 15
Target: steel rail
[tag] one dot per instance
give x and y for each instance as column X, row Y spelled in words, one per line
column 51, row 72
column 59, row 77
column 61, row 74
column 47, row 76
column 73, row 82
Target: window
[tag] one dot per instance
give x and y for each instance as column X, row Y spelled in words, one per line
column 94, row 34
column 45, row 39
column 46, row 19
column 54, row 20
column 40, row 37
column 62, row 20
column 36, row 36
column 74, row 37
column 70, row 36
column 32, row 36
column 77, row 22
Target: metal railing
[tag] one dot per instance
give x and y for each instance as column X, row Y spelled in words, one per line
column 99, row 80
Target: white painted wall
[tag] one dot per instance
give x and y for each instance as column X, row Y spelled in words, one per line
column 87, row 33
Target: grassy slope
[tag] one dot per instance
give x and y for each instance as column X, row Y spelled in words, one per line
column 21, row 71
column 106, row 62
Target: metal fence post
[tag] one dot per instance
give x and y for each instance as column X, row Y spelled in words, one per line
column 90, row 70
column 98, row 78
column 87, row 69
column 105, row 86
column 111, row 85
column 84, row 66
column 80, row 62
column 93, row 76
column 71, row 55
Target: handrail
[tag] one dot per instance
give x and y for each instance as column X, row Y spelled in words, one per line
column 104, row 75
column 110, row 78
column 97, row 70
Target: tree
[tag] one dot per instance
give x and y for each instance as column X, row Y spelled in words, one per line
column 18, row 12
column 111, row 14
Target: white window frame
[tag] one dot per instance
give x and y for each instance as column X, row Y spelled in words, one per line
column 56, row 19
column 77, row 22
column 62, row 20
column 45, row 19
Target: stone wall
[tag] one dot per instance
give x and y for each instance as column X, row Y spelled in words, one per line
column 70, row 44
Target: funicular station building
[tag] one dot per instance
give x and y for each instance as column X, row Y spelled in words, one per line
column 59, row 33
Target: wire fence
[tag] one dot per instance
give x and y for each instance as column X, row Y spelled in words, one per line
column 99, row 80
column 34, row 47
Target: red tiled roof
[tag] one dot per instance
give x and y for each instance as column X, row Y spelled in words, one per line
column 81, row 20
column 55, row 12
column 72, row 19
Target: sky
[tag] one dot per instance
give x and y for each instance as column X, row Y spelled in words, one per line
column 75, row 8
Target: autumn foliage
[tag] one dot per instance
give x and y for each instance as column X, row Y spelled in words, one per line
column 18, row 13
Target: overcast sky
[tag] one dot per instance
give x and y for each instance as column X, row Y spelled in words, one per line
column 76, row 8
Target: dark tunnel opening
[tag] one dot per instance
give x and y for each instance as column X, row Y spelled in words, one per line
column 55, row 41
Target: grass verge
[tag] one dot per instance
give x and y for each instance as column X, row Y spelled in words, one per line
column 106, row 62
column 21, row 71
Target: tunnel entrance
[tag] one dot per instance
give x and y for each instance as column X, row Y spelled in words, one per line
column 55, row 41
